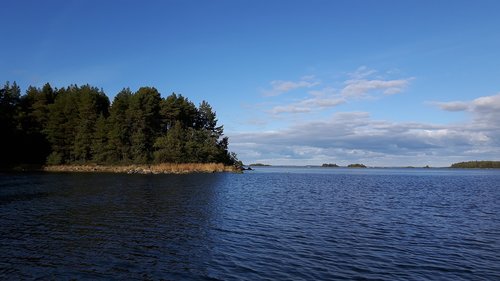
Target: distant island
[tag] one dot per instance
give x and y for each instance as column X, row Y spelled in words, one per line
column 356, row 166
column 78, row 127
column 477, row 165
column 333, row 165
column 330, row 165
column 259, row 165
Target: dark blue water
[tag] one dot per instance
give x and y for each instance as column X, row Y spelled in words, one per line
column 268, row 224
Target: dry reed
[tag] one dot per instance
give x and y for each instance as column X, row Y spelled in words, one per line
column 163, row 168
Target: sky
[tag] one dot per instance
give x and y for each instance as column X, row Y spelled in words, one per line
column 383, row 83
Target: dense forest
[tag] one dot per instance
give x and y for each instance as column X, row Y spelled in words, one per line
column 477, row 164
column 79, row 125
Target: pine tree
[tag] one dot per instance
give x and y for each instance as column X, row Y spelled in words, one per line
column 170, row 147
column 61, row 126
column 9, row 110
column 120, row 128
column 178, row 108
column 91, row 104
column 144, row 113
column 33, row 117
column 100, row 141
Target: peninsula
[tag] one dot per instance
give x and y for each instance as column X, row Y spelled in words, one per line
column 77, row 128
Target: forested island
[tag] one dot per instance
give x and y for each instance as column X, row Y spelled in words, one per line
column 329, row 165
column 356, row 166
column 78, row 125
column 333, row 165
column 477, row 165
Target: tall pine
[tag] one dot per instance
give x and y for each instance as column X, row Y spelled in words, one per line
column 120, row 128
column 144, row 113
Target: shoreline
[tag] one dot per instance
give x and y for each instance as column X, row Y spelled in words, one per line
column 164, row 168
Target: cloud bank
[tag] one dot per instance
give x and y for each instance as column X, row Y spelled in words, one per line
column 351, row 137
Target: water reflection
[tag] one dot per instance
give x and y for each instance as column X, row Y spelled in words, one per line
column 95, row 225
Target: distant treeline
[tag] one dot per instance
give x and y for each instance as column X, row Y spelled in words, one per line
column 78, row 125
column 477, row 164
column 332, row 165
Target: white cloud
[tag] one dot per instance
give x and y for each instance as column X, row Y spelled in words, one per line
column 488, row 104
column 481, row 105
column 279, row 87
column 485, row 112
column 453, row 106
column 360, row 88
column 308, row 105
column 291, row 108
column 362, row 72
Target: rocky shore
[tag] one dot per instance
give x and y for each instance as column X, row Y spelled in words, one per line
column 165, row 168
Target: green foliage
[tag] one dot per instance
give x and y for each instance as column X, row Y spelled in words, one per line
column 356, row 166
column 259, row 165
column 32, row 119
column 477, row 164
column 77, row 125
column 91, row 104
column 144, row 114
column 61, row 124
column 9, row 108
column 329, row 165
column 55, row 158
column 170, row 148
column 120, row 129
column 178, row 108
column 101, row 152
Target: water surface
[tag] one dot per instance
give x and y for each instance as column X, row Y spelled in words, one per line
column 268, row 224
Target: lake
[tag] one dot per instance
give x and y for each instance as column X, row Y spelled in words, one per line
column 274, row 223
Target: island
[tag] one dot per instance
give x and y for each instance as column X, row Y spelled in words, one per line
column 259, row 165
column 329, row 165
column 477, row 165
column 356, row 166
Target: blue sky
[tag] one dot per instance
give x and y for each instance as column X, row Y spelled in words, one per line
column 385, row 83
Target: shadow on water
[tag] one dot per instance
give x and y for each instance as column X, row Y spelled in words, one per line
column 99, row 226
column 6, row 199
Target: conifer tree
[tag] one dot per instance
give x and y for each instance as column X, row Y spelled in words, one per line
column 9, row 109
column 61, row 126
column 170, row 147
column 91, row 104
column 144, row 112
column 178, row 108
column 119, row 140
column 100, row 141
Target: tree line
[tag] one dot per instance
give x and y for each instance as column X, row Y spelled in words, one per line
column 477, row 164
column 79, row 125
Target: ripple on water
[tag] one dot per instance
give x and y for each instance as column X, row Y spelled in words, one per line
column 304, row 225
